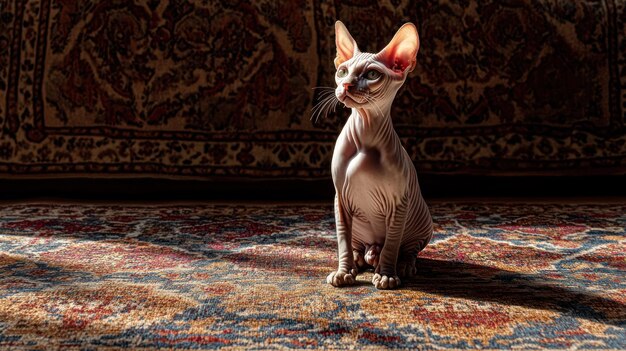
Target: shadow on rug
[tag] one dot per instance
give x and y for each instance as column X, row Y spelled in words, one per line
column 495, row 276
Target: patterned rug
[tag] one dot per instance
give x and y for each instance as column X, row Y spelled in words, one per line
column 185, row 89
column 496, row 276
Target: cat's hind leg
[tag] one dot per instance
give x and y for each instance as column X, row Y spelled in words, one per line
column 359, row 260
column 385, row 275
column 406, row 266
column 372, row 253
column 368, row 258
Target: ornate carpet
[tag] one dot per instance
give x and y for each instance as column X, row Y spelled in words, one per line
column 496, row 276
column 183, row 88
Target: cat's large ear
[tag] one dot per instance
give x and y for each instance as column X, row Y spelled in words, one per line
column 399, row 54
column 346, row 45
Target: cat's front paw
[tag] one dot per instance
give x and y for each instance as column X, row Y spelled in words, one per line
column 342, row 278
column 385, row 281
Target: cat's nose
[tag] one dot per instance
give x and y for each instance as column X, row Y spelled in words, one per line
column 347, row 86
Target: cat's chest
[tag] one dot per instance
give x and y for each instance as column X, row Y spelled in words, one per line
column 367, row 161
column 365, row 165
column 371, row 172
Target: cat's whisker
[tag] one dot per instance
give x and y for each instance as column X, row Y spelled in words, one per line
column 326, row 93
column 322, row 102
column 315, row 112
column 335, row 105
column 371, row 99
column 323, row 88
column 368, row 98
column 323, row 97
column 328, row 105
column 322, row 107
column 331, row 106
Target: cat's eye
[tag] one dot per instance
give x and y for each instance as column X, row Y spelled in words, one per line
column 342, row 72
column 372, row 74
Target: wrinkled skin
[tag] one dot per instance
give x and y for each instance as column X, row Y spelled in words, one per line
column 381, row 218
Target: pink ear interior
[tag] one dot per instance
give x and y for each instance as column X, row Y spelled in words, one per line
column 346, row 45
column 399, row 54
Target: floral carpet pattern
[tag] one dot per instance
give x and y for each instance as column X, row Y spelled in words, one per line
column 495, row 276
column 184, row 88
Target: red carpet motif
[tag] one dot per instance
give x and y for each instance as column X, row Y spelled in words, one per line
column 496, row 276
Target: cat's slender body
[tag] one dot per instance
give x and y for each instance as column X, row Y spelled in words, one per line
column 382, row 220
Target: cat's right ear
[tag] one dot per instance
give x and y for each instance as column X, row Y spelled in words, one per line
column 346, row 45
column 399, row 54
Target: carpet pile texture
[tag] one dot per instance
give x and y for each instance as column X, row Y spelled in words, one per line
column 495, row 276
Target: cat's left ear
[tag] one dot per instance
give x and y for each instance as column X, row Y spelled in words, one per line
column 400, row 53
column 346, row 45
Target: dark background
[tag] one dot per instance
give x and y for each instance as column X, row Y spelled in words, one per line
column 195, row 100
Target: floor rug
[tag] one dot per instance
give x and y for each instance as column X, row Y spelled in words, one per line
column 207, row 276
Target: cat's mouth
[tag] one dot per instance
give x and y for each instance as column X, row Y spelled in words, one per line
column 351, row 100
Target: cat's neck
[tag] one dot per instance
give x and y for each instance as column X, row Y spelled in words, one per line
column 370, row 128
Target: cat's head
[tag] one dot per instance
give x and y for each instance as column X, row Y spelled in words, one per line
column 372, row 80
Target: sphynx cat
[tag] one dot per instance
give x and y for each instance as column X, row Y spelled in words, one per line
column 381, row 218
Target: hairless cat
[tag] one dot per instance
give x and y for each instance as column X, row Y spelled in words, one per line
column 382, row 220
